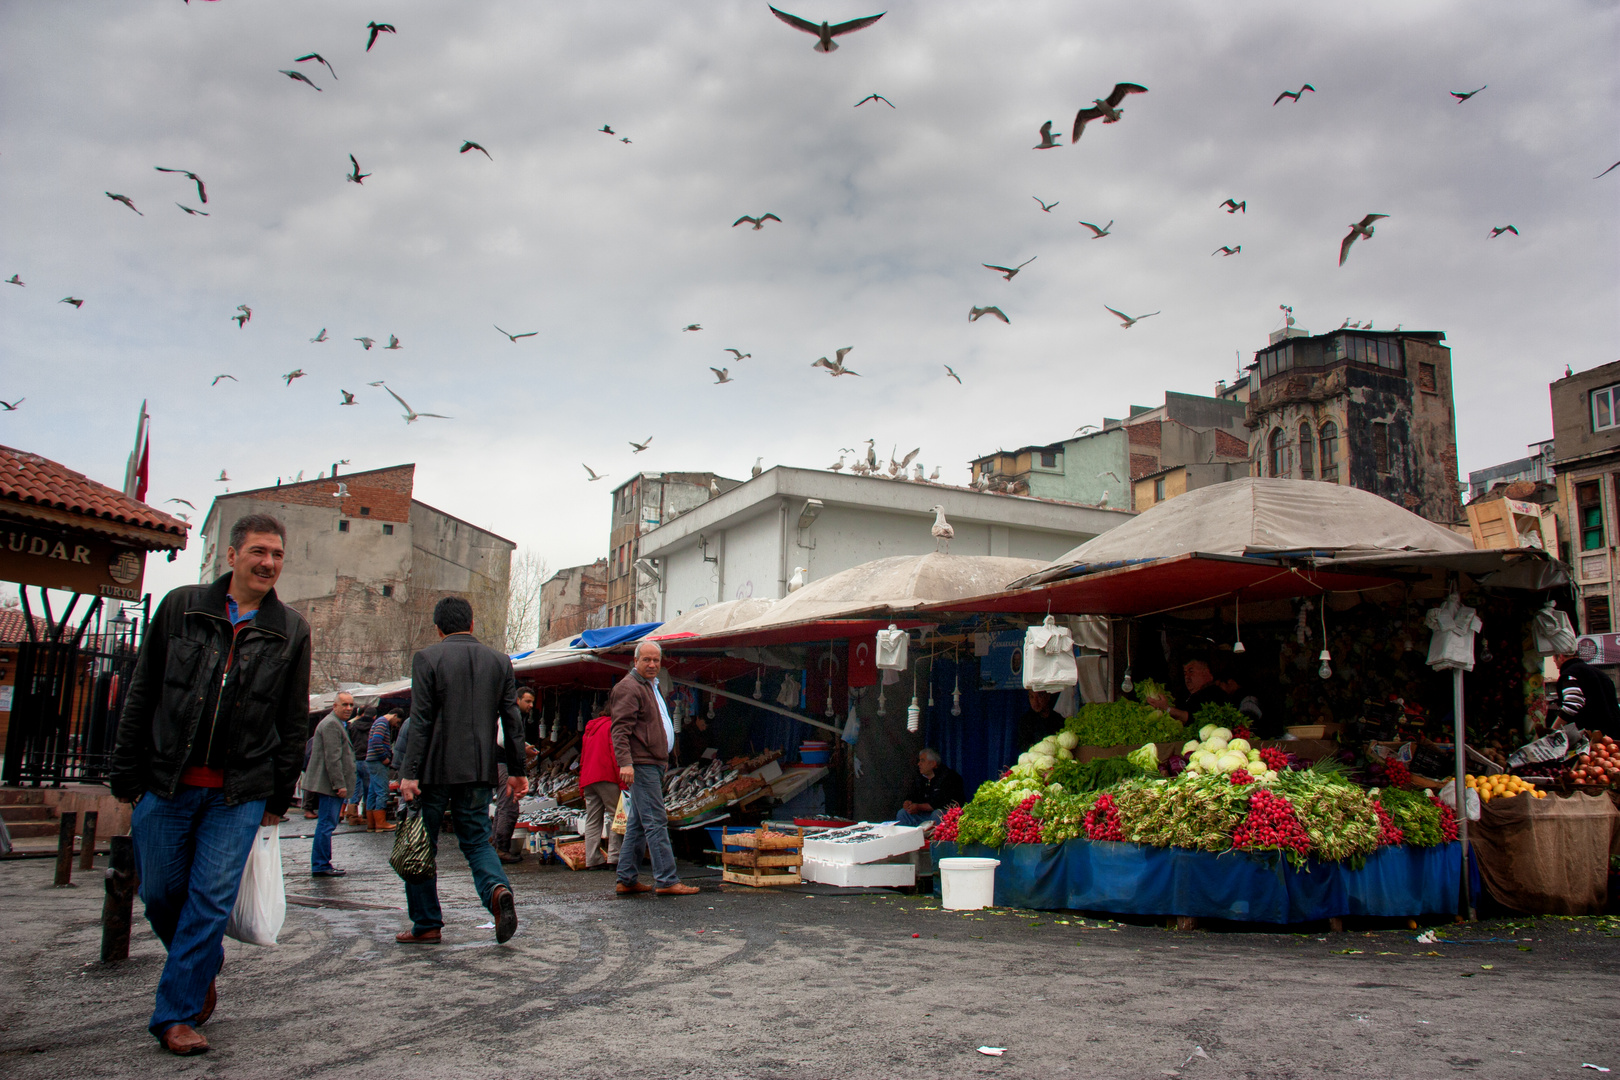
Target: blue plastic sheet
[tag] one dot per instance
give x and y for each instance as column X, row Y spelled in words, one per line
column 612, row 635
column 1131, row 879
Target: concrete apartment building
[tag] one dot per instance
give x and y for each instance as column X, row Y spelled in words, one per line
column 642, row 503
column 366, row 562
column 1369, row 409
column 573, row 599
column 748, row 541
column 1586, row 459
column 1188, row 442
column 1536, row 467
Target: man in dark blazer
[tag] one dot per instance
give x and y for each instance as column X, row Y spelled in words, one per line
column 460, row 689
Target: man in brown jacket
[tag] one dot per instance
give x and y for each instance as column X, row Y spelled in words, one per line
column 642, row 738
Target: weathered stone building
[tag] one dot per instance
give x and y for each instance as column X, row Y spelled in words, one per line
column 366, row 562
column 641, row 504
column 1586, row 451
column 1369, row 409
column 573, row 599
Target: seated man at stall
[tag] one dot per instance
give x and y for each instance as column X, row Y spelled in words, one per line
column 935, row 789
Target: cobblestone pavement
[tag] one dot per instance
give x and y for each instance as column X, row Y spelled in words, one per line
column 793, row 984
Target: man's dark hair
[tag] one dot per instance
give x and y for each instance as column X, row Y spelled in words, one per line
column 525, row 690
column 256, row 523
column 453, row 615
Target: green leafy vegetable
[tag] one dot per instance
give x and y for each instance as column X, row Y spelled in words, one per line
column 1120, row 723
column 1221, row 715
column 1416, row 816
column 1152, row 688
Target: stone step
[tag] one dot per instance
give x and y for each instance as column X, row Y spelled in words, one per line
column 32, row 828
column 21, row 797
column 16, row 813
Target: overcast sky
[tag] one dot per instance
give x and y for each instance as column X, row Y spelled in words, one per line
column 607, row 249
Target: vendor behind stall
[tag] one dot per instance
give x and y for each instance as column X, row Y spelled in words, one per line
column 1038, row 721
column 1585, row 697
column 935, row 789
column 1202, row 689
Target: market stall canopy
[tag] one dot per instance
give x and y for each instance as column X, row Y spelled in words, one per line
column 1261, row 516
column 364, row 696
column 612, row 635
column 713, row 618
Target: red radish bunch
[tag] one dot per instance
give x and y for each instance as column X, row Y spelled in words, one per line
column 1271, row 823
column 1021, row 828
column 945, row 831
column 1241, row 732
column 1102, row 820
column 1448, row 820
column 1387, row 832
column 1239, row 777
column 1274, row 758
column 1396, row 774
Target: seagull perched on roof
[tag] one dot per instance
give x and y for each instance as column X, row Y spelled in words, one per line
column 758, row 222
column 827, row 31
column 1010, row 271
column 1105, row 109
column 411, row 415
column 1048, row 140
column 1128, row 321
column 942, row 531
column 756, row 470
column 975, row 314
column 1362, row 228
column 796, row 582
column 1295, row 93
column 836, row 367
column 722, row 375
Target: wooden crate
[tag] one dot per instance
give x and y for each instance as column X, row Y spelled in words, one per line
column 758, row 877
column 766, row 859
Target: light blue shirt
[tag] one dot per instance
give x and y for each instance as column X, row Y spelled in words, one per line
column 663, row 712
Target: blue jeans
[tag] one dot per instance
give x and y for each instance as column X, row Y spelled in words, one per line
column 906, row 817
column 320, row 853
column 377, row 786
column 647, row 823
column 189, row 851
column 362, row 781
column 469, row 810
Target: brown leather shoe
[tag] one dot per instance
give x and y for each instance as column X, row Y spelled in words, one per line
column 630, row 890
column 208, row 1007
column 677, row 889
column 183, row 1040
column 502, row 906
column 410, row 937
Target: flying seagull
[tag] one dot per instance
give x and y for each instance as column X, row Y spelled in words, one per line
column 594, row 475
column 735, row 355
column 295, row 373
column 514, row 337
column 1464, row 97
column 1295, row 93
column 202, row 192
column 319, row 59
column 468, row 144
column 1129, row 322
column 835, row 367
column 189, row 210
column 1500, row 229
column 393, row 343
column 299, row 76
column 690, row 326
column 367, row 342
column 411, row 415
column 1096, row 233
column 246, row 313
column 182, row 502
column 1105, row 109
column 377, row 28
column 758, row 223
column 123, row 199
column 379, row 382
column 952, row 373
column 219, row 377
column 640, row 446
column 1010, row 271
column 1046, row 206
column 348, row 398
column 874, row 97
column 625, row 141
column 74, row 300
column 356, row 177
column 11, row 406
column 975, row 314
column 342, row 491
column 826, row 32
column 1232, row 206
column 1048, row 140
column 318, row 337
column 1607, row 171
column 608, row 128
column 722, row 375
column 1363, row 228
column 1223, row 250
column 16, row 279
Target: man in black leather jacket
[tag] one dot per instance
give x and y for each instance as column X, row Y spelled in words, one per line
column 209, row 748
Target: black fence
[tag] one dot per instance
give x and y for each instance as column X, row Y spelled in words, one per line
column 69, row 691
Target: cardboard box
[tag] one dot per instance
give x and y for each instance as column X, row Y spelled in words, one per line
column 863, row 843
column 855, row 875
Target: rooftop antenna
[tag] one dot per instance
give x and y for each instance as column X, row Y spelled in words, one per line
column 1288, row 314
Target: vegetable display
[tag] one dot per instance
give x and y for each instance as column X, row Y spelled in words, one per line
column 1502, row 786
column 1217, row 750
column 1120, row 723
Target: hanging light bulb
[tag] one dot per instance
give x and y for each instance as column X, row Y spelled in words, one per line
column 930, row 686
column 711, row 705
column 1326, row 670
column 759, row 684
column 828, row 711
column 1125, row 684
column 956, row 695
column 880, row 696
column 1237, row 625
column 913, row 716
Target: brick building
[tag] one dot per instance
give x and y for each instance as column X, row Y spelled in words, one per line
column 573, row 599
column 641, row 504
column 366, row 562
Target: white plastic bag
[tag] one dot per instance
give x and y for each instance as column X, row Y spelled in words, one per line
column 892, row 648
column 1448, row 795
column 1049, row 657
column 261, row 902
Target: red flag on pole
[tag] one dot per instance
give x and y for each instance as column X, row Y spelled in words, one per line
column 141, row 472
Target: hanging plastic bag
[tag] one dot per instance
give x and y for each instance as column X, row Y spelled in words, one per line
column 1448, row 795
column 412, row 857
column 621, row 816
column 1554, row 635
column 261, row 901
column 852, row 727
column 892, row 648
column 1049, row 657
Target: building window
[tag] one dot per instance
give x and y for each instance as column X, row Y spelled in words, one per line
column 388, row 590
column 1329, row 443
column 1380, row 448
column 1307, row 453
column 1589, row 514
column 365, row 511
column 1277, row 454
column 1604, row 412
column 1158, row 490
column 343, row 525
column 1379, row 352
column 1597, row 614
column 388, row 530
column 1426, row 378
column 1048, row 459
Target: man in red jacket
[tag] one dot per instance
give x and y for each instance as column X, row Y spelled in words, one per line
column 599, row 780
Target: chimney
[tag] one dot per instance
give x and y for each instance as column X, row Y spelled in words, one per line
column 334, row 470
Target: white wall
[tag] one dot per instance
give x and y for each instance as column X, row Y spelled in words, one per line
column 317, row 553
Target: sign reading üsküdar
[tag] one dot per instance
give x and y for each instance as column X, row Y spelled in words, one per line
column 71, row 560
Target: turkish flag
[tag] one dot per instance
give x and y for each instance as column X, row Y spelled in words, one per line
column 863, row 661
column 141, row 471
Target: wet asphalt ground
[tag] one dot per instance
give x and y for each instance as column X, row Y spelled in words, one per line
column 796, row 984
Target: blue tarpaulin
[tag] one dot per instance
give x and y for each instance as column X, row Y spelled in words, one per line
column 1133, row 879
column 612, row 635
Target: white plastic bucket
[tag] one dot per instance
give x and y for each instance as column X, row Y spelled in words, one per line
column 967, row 884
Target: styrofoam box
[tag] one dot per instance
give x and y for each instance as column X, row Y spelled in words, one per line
column 856, row 876
column 864, row 843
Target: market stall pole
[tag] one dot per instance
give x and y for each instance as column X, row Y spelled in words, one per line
column 1461, row 787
